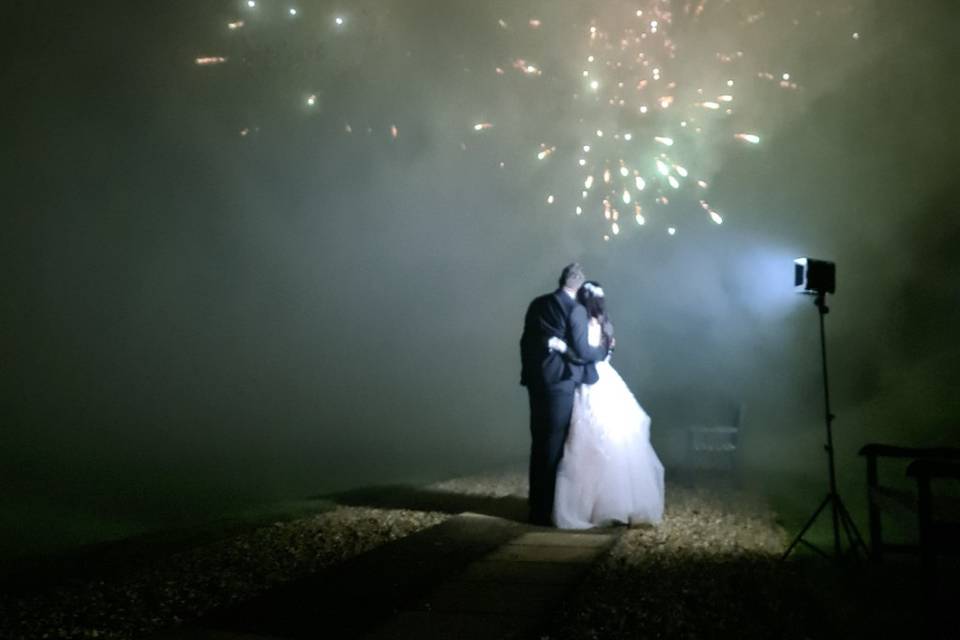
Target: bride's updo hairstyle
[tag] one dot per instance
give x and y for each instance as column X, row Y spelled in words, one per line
column 590, row 295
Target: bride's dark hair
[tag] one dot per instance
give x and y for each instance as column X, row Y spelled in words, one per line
column 590, row 295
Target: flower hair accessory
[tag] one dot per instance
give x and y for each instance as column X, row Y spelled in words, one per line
column 595, row 291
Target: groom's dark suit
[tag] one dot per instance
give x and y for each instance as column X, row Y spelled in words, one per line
column 550, row 378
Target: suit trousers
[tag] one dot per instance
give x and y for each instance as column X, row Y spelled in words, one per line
column 550, row 412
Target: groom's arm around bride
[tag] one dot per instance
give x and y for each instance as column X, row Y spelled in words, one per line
column 579, row 350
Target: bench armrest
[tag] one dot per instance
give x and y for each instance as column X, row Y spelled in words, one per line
column 928, row 453
column 934, row 469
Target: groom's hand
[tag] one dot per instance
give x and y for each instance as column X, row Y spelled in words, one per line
column 556, row 344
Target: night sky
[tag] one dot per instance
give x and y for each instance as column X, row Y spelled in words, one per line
column 305, row 267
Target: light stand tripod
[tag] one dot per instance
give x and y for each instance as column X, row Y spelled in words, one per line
column 841, row 517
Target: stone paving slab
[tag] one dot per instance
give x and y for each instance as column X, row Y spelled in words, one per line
column 471, row 576
column 364, row 591
column 455, row 626
column 522, row 573
column 556, row 553
column 494, row 597
column 506, row 594
column 597, row 538
column 207, row 634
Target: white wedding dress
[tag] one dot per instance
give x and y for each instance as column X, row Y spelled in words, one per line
column 609, row 471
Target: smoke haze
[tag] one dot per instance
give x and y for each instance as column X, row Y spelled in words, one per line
column 194, row 321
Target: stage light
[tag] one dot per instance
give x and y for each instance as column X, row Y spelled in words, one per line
column 814, row 276
column 818, row 277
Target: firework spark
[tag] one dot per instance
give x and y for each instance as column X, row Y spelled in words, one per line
column 527, row 68
column 646, row 115
column 545, row 152
column 653, row 110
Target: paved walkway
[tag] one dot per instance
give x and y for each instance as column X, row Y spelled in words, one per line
column 472, row 576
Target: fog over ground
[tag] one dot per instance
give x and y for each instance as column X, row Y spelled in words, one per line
column 195, row 321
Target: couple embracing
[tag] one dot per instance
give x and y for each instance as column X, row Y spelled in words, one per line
column 591, row 463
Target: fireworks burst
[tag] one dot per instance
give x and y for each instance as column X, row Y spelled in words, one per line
column 654, row 94
column 650, row 120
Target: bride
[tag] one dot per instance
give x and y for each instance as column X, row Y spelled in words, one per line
column 609, row 472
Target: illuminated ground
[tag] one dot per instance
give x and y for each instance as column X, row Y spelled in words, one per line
column 710, row 570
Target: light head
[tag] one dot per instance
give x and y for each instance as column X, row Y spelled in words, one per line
column 814, row 277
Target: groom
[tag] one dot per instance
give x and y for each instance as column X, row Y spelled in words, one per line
column 551, row 370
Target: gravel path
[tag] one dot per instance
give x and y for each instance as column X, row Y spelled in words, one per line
column 186, row 585
column 713, row 570
column 709, row 570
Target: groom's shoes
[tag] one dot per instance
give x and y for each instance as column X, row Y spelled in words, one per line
column 540, row 521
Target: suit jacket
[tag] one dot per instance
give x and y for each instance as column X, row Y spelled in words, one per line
column 557, row 314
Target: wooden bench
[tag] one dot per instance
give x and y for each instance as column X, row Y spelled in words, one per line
column 926, row 466
column 939, row 534
column 713, row 446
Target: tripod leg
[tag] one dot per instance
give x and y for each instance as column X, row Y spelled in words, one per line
column 851, row 542
column 809, row 524
column 846, row 523
column 816, row 549
column 856, row 540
